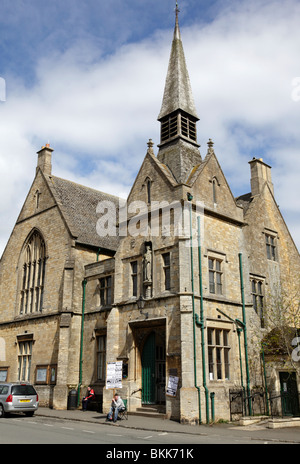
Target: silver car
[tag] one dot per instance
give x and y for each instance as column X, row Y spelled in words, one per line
column 18, row 397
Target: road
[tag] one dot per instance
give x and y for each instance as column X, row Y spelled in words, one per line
column 18, row 429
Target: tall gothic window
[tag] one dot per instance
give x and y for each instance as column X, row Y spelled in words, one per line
column 33, row 275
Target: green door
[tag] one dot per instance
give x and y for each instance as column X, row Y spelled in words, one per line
column 289, row 394
column 148, row 371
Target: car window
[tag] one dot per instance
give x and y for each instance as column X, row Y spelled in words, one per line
column 3, row 390
column 20, row 390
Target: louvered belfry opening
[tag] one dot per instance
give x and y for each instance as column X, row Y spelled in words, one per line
column 178, row 124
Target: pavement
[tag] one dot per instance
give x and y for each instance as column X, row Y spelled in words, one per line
column 257, row 431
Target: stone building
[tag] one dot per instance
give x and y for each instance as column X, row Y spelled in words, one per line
column 165, row 284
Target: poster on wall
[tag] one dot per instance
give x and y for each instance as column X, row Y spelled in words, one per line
column 172, row 386
column 114, row 375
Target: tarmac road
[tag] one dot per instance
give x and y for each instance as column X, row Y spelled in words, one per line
column 86, row 428
column 40, row 430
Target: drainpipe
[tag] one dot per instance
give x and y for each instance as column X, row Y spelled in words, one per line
column 194, row 320
column 245, row 334
column 265, row 377
column 201, row 324
column 84, row 282
column 98, row 254
column 239, row 331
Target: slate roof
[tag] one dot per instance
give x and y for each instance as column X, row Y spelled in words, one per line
column 244, row 201
column 78, row 205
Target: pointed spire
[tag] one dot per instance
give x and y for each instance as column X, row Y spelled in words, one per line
column 178, row 92
column 177, row 30
column 178, row 149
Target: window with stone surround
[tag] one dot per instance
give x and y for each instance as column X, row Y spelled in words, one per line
column 271, row 246
column 257, row 291
column 215, row 276
column 218, row 354
column 33, row 275
column 24, row 360
column 101, row 357
column 167, row 270
column 134, row 277
column 105, row 284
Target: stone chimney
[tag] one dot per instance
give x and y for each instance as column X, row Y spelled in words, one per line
column 44, row 160
column 260, row 174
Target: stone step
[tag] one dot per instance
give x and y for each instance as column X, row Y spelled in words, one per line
column 149, row 411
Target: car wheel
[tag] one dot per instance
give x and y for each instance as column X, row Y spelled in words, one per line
column 29, row 414
column 2, row 412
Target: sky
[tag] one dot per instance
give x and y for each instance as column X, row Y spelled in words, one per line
column 88, row 78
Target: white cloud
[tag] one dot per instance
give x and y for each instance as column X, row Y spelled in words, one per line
column 101, row 111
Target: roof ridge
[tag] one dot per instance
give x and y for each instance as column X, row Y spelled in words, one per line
column 84, row 186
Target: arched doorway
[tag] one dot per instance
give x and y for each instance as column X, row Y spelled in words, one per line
column 154, row 369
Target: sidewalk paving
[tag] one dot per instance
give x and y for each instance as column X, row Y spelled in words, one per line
column 256, row 431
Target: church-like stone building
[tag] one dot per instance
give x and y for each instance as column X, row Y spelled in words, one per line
column 175, row 294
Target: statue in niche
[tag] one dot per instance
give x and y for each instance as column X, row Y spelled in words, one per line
column 148, row 264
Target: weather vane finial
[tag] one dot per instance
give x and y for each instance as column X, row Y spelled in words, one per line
column 177, row 10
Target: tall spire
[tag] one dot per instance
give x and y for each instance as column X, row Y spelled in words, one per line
column 178, row 92
column 178, row 147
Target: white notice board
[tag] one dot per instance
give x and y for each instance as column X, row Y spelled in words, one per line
column 114, row 375
column 172, row 386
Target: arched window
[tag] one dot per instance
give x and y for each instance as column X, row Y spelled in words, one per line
column 33, row 274
column 214, row 191
column 148, row 185
column 215, row 184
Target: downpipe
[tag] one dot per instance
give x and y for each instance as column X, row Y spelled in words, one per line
column 201, row 324
column 84, row 282
column 194, row 319
column 245, row 334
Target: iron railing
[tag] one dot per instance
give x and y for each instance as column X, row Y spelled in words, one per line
column 276, row 404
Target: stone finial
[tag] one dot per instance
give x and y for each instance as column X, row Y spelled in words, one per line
column 210, row 144
column 150, row 147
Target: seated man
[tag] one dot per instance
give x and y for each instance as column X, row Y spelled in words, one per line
column 89, row 397
column 116, row 406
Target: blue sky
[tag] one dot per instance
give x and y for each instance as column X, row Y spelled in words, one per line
column 89, row 76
